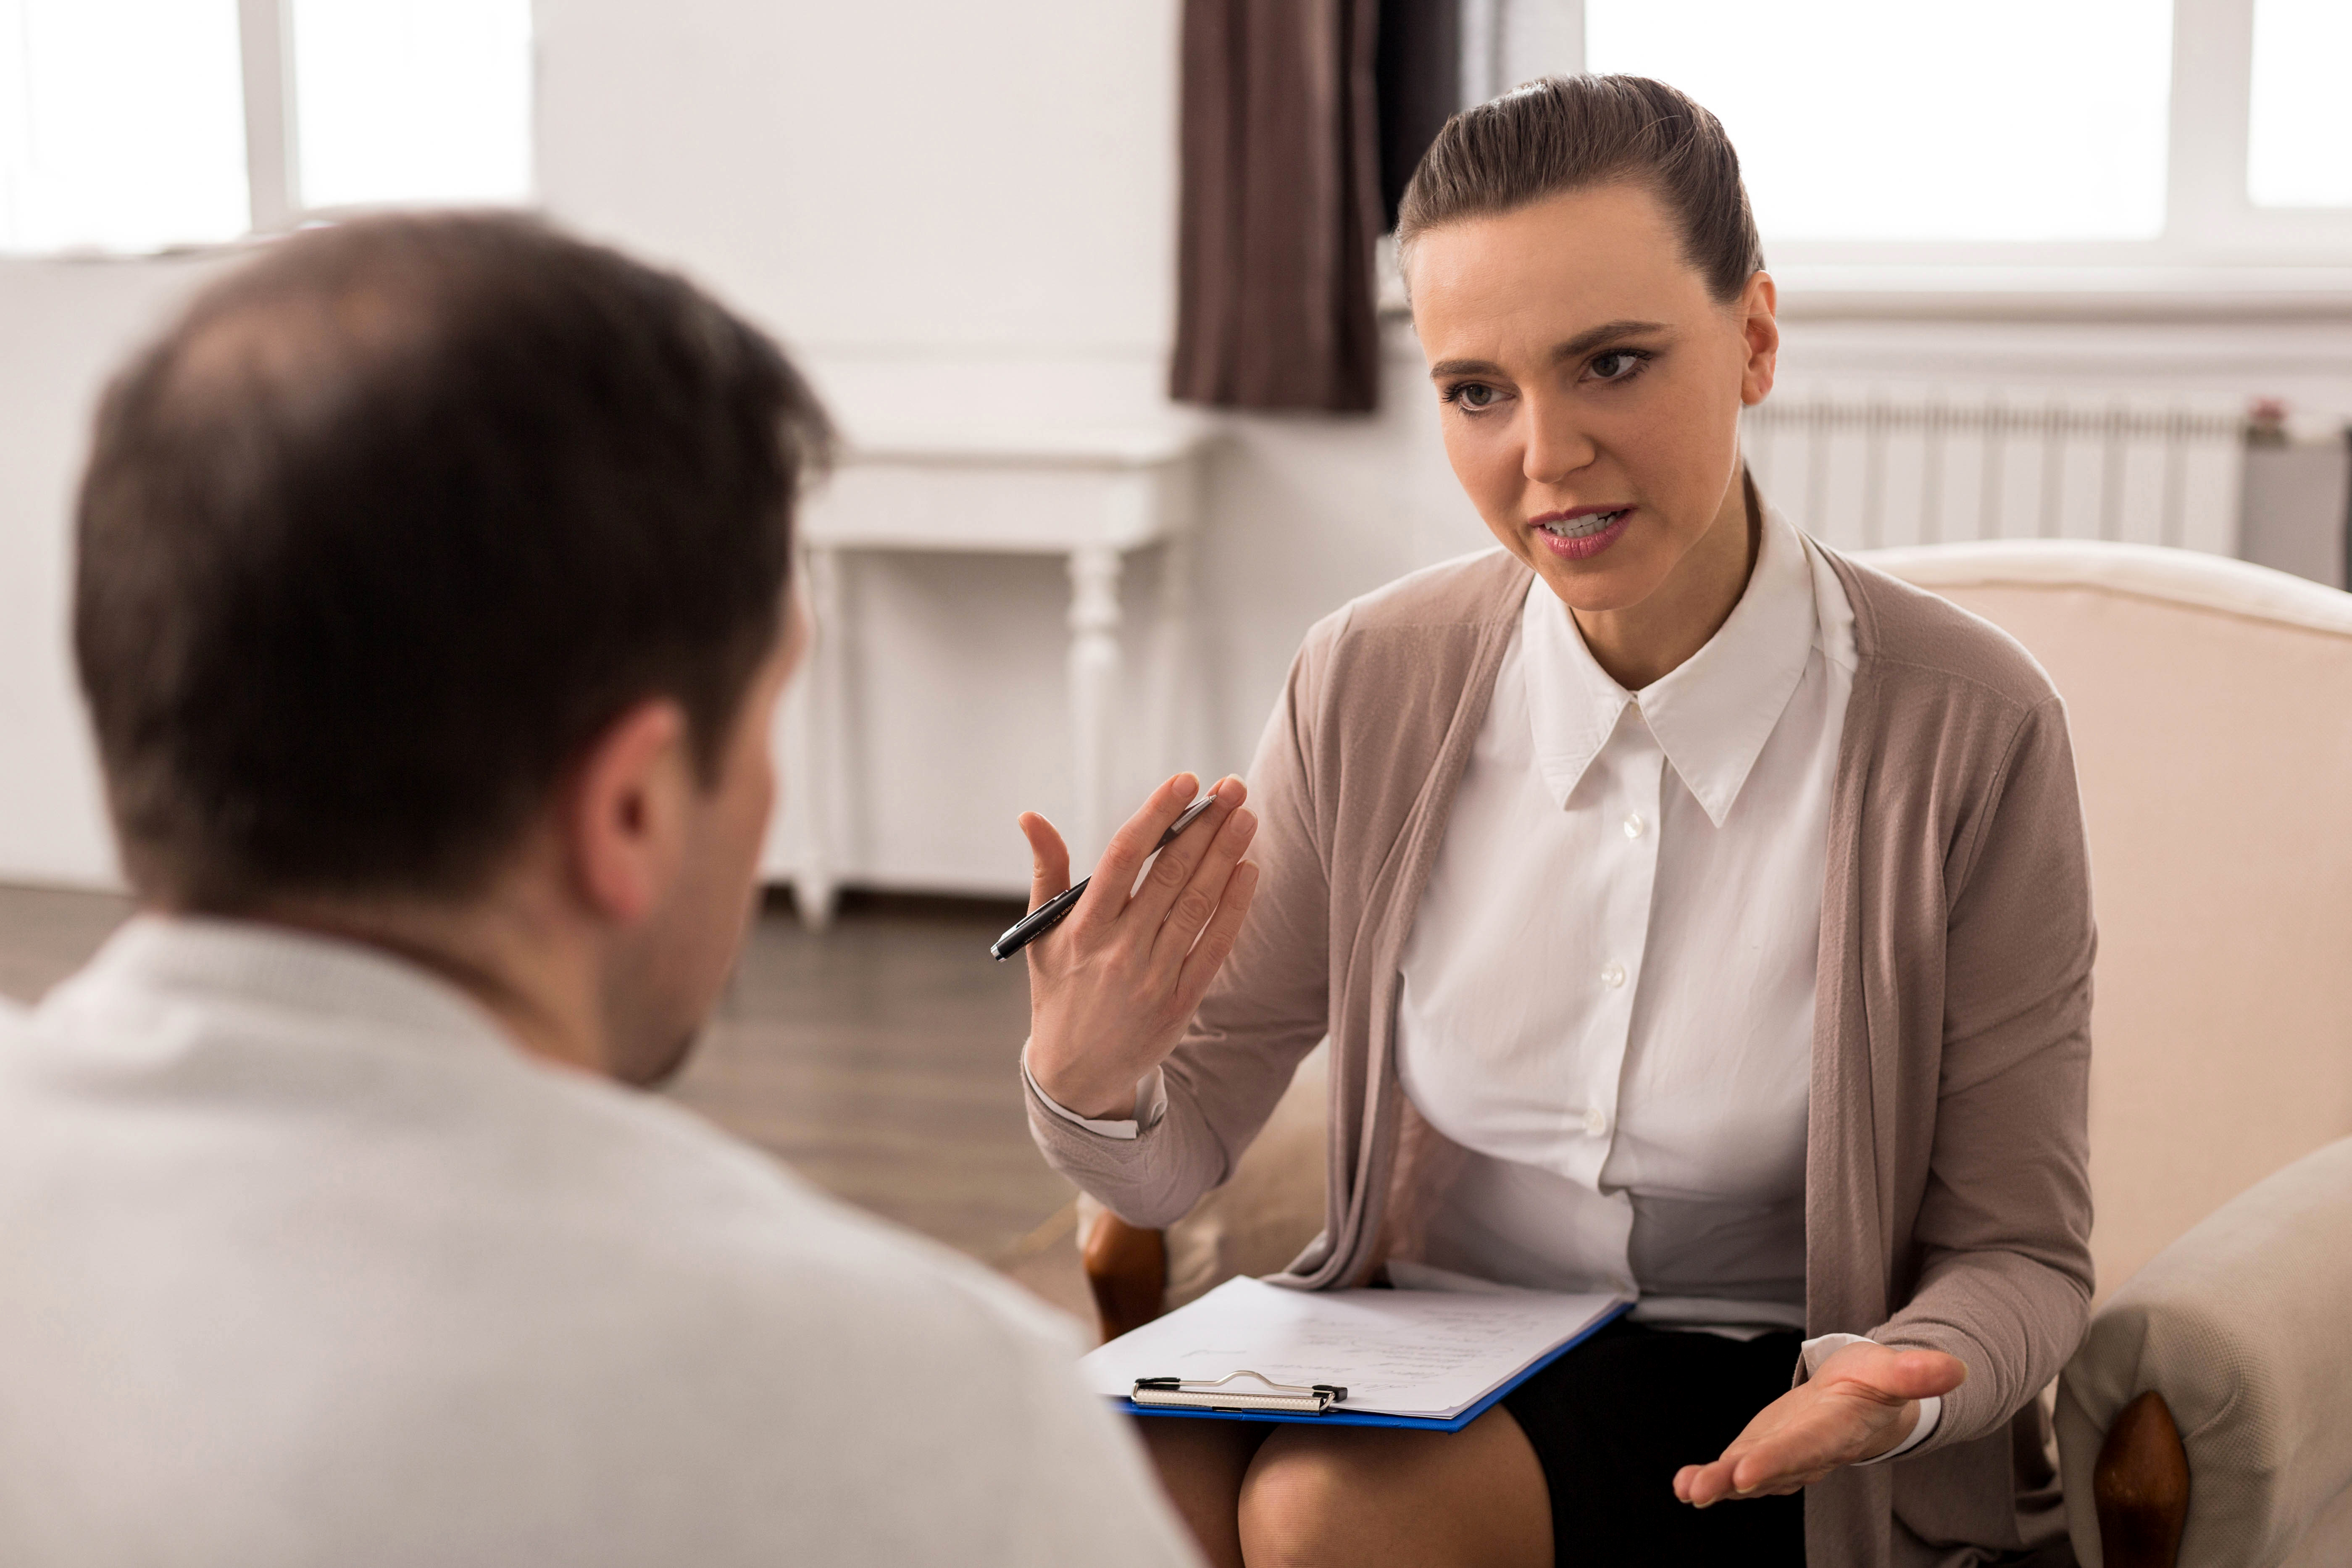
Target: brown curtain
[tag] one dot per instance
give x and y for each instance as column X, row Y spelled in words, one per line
column 1280, row 205
column 1418, row 77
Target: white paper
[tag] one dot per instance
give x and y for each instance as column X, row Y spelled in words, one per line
column 1432, row 1353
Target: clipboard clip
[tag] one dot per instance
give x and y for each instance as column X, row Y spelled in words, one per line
column 1195, row 1393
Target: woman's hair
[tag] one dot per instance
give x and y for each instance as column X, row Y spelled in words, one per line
column 1563, row 133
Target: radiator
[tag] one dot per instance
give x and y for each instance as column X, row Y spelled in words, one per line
column 1861, row 470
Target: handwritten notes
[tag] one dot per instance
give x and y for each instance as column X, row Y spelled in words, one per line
column 1430, row 1354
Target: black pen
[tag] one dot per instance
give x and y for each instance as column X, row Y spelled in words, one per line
column 1048, row 915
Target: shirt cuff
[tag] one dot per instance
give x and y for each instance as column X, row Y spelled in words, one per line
column 1150, row 1104
column 1819, row 1349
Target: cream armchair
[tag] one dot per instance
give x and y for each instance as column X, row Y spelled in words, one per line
column 2207, row 1419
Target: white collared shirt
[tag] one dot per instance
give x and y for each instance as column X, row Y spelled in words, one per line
column 308, row 1263
column 1608, row 991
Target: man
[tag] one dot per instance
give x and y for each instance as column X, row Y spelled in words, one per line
column 430, row 610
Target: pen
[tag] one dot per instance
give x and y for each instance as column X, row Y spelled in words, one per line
column 1048, row 915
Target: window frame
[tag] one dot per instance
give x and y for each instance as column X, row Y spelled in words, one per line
column 273, row 162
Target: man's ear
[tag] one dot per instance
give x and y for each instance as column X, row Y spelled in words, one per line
column 1761, row 323
column 623, row 818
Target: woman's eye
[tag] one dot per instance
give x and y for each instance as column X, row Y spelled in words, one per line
column 1475, row 395
column 1617, row 364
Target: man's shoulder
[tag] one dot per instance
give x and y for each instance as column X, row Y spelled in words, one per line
column 477, row 1174
column 656, row 1183
column 793, row 1334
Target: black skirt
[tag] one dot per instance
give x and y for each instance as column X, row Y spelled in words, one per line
column 1614, row 1419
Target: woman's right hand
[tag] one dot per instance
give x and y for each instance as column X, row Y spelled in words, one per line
column 1111, row 989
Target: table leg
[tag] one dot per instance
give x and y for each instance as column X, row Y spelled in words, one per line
column 1093, row 687
column 1173, row 724
column 818, row 742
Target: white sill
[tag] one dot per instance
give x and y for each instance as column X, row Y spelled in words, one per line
column 253, row 239
column 91, row 255
column 1822, row 292
column 1830, row 291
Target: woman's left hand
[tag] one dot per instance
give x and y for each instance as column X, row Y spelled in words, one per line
column 1863, row 1401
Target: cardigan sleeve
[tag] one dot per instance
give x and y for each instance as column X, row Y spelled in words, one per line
column 1265, row 1011
column 2002, row 1241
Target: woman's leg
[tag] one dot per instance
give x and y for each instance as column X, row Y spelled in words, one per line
column 1201, row 1466
column 1363, row 1497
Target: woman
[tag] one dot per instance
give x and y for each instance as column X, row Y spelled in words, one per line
column 1690, row 909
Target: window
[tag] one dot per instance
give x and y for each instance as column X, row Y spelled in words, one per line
column 2203, row 145
column 139, row 125
column 113, row 148
column 1857, row 120
column 427, row 100
column 2299, row 141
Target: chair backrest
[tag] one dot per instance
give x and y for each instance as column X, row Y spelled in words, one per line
column 2210, row 704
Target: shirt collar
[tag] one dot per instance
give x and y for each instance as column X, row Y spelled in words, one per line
column 244, row 965
column 1711, row 715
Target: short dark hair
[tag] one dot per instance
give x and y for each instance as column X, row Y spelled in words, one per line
column 1563, row 133
column 392, row 521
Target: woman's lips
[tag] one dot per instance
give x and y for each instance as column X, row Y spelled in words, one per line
column 1583, row 533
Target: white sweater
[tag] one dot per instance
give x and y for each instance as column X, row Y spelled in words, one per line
column 302, row 1262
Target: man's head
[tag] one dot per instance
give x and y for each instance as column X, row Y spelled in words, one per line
column 425, row 554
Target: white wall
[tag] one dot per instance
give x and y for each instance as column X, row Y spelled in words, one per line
column 965, row 215
column 948, row 213
column 952, row 213
column 63, row 325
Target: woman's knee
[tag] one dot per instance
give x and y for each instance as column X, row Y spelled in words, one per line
column 1310, row 1499
column 1366, row 1497
column 1290, row 1498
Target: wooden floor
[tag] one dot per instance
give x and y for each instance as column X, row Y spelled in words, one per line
column 878, row 1058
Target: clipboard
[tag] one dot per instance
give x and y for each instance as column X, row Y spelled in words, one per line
column 1241, row 1394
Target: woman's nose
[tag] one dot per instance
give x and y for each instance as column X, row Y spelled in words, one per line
column 1556, row 448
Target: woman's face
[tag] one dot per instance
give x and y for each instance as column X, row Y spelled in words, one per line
column 1591, row 388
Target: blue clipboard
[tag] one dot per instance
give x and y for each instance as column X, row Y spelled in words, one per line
column 1338, row 1417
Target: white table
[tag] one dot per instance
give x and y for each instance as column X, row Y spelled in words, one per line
column 1092, row 496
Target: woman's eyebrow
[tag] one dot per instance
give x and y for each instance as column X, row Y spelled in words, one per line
column 1584, row 342
column 1463, row 367
column 1592, row 338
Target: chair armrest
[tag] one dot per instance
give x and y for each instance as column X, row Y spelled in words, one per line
column 1126, row 1269
column 2141, row 1487
column 1270, row 1209
column 2244, row 1327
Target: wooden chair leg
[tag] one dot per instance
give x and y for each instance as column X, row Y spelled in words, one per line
column 2140, row 1486
column 1126, row 1269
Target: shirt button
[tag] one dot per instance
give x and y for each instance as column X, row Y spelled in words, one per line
column 1596, row 1122
column 1612, row 974
column 1633, row 824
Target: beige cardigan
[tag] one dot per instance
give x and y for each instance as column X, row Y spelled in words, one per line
column 1947, row 1197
